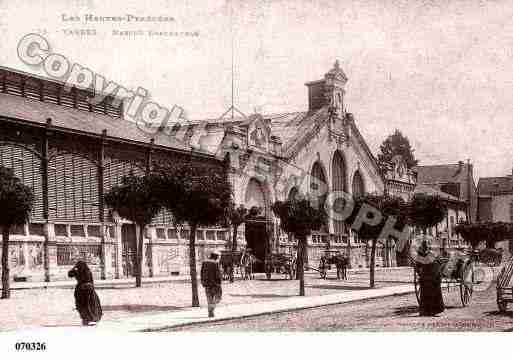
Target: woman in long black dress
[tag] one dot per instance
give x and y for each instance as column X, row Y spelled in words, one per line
column 86, row 299
column 430, row 280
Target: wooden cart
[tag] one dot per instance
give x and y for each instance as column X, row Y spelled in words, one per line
column 280, row 263
column 230, row 262
column 460, row 274
column 504, row 286
column 333, row 257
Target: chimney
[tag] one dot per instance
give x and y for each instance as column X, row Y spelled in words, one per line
column 328, row 91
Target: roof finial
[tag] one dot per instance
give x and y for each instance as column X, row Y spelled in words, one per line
column 337, row 65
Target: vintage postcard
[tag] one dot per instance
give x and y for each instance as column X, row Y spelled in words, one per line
column 257, row 166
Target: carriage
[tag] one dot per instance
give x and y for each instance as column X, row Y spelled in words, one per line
column 333, row 257
column 230, row 263
column 456, row 272
column 280, row 263
column 237, row 262
column 504, row 286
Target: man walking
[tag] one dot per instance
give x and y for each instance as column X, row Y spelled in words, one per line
column 211, row 280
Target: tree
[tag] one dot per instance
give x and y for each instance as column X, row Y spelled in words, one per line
column 237, row 216
column 489, row 232
column 136, row 200
column 16, row 201
column 426, row 211
column 386, row 206
column 297, row 216
column 396, row 144
column 198, row 196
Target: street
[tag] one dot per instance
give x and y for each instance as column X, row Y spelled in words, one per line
column 399, row 313
column 54, row 307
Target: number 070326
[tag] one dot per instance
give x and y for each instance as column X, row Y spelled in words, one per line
column 30, row 346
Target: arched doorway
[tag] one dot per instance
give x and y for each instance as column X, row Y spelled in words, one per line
column 339, row 184
column 257, row 229
column 293, row 194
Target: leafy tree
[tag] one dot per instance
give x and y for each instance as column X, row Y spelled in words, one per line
column 396, row 144
column 136, row 200
column 237, row 216
column 386, row 206
column 489, row 232
column 299, row 217
column 198, row 196
column 426, row 211
column 16, row 201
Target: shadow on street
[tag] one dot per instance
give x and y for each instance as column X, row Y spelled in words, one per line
column 138, row 308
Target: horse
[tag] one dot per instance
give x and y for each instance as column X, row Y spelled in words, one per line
column 341, row 262
column 246, row 264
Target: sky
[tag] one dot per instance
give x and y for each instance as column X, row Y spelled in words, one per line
column 440, row 71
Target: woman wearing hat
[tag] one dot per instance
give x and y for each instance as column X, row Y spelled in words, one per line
column 211, row 280
column 430, row 280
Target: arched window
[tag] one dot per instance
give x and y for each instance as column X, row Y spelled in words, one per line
column 318, row 185
column 339, row 185
column 255, row 196
column 358, row 186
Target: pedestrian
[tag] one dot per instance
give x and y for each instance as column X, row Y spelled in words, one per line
column 86, row 300
column 211, row 280
column 430, row 281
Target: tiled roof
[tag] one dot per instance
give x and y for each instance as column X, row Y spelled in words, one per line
column 441, row 173
column 87, row 122
column 422, row 188
column 489, row 185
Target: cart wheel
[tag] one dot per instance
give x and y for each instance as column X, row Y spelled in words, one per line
column 323, row 273
column 467, row 284
column 416, row 284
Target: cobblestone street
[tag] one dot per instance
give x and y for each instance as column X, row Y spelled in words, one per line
column 55, row 306
column 399, row 313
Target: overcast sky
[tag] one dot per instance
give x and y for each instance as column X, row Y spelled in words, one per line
column 440, row 71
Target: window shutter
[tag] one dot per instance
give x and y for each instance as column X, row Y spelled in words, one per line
column 73, row 188
column 27, row 167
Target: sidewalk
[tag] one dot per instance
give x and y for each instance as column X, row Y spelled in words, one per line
column 191, row 316
column 178, row 278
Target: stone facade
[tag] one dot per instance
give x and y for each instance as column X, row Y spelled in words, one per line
column 75, row 157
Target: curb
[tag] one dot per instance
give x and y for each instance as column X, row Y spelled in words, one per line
column 152, row 280
column 278, row 311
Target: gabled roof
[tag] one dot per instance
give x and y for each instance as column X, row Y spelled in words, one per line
column 437, row 174
column 422, row 188
column 492, row 185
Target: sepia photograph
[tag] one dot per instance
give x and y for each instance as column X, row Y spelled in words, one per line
column 189, row 172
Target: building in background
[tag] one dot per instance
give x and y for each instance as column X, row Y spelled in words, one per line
column 496, row 199
column 496, row 202
column 403, row 182
column 454, row 179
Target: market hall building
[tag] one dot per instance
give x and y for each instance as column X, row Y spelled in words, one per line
column 71, row 153
column 83, row 150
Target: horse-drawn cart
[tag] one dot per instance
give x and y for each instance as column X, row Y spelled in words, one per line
column 237, row 262
column 230, row 263
column 457, row 271
column 329, row 258
column 280, row 263
column 504, row 286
